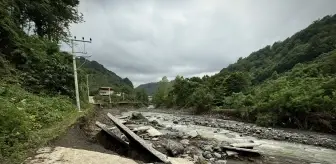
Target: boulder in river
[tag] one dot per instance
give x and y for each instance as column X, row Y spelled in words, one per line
column 217, row 155
column 207, row 148
column 174, row 148
column 207, row 154
column 138, row 116
column 184, row 142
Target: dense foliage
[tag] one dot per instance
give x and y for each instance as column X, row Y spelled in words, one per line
column 36, row 78
column 27, row 121
column 290, row 83
column 142, row 96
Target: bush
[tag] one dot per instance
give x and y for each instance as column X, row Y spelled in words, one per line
column 266, row 119
column 27, row 121
column 201, row 99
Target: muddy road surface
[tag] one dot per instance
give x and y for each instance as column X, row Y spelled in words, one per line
column 187, row 138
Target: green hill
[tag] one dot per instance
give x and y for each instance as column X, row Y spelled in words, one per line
column 99, row 76
column 150, row 88
column 290, row 83
column 306, row 45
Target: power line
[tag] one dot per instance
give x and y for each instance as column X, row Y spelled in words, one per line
column 75, row 65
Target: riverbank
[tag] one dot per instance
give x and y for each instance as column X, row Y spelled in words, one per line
column 218, row 120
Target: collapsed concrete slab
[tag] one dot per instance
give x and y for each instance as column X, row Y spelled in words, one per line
column 135, row 139
column 107, row 130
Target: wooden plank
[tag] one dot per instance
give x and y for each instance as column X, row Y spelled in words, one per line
column 135, row 138
column 107, row 130
column 243, row 151
column 245, row 145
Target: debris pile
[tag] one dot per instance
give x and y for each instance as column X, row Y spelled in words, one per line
column 156, row 143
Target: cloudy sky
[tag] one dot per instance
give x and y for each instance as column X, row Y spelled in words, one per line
column 147, row 39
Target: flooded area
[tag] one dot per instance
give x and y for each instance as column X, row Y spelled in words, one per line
column 294, row 152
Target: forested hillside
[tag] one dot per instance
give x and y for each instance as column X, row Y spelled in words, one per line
column 99, row 76
column 36, row 78
column 290, row 83
column 150, row 88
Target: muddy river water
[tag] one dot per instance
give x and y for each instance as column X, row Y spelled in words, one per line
column 272, row 148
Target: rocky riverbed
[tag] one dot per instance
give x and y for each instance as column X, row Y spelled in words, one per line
column 248, row 129
column 212, row 133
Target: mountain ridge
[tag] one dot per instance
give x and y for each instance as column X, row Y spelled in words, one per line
column 100, row 76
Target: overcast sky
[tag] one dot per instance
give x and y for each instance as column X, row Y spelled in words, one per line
column 145, row 40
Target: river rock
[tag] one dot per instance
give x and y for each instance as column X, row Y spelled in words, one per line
column 184, row 142
column 198, row 158
column 231, row 153
column 207, row 154
column 221, row 162
column 207, row 148
column 154, row 122
column 217, row 155
column 217, row 149
column 174, row 148
column 185, row 137
column 155, row 139
column 193, row 134
column 138, row 116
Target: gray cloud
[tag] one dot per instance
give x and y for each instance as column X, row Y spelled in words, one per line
column 145, row 40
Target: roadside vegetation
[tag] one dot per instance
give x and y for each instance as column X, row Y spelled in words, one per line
column 29, row 121
column 289, row 84
column 36, row 77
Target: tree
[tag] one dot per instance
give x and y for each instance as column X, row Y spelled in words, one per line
column 48, row 19
column 161, row 94
column 202, row 99
column 142, row 96
column 236, row 82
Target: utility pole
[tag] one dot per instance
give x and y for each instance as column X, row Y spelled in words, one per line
column 88, row 88
column 75, row 66
column 110, row 95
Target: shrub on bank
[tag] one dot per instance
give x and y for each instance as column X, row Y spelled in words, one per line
column 28, row 121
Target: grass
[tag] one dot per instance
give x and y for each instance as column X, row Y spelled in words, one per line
column 29, row 121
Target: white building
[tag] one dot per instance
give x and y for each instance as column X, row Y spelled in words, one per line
column 105, row 91
column 150, row 98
